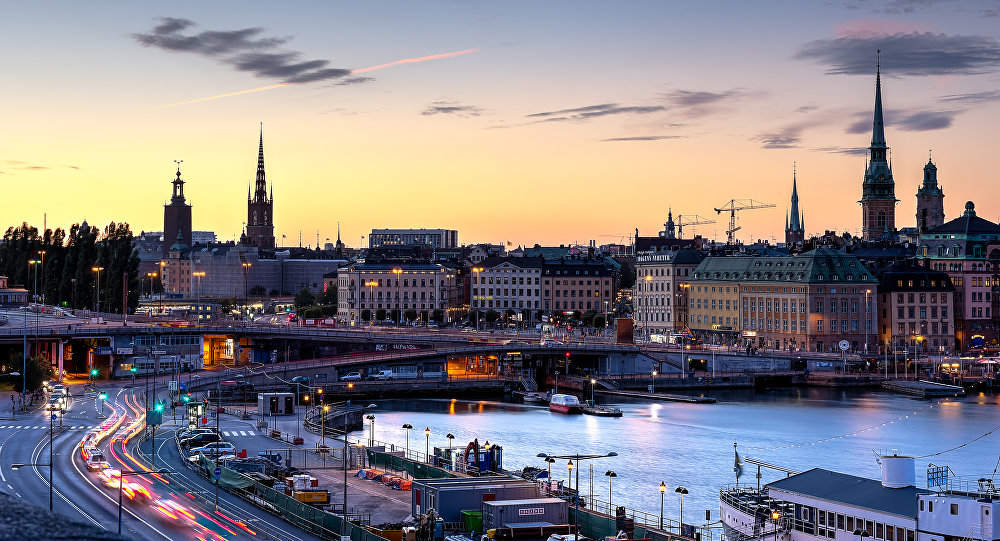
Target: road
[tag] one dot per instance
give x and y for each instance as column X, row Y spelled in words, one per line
column 181, row 504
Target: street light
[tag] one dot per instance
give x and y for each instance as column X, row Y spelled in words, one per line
column 593, row 382
column 611, row 478
column 343, row 523
column 549, row 460
column 407, row 427
column 663, row 489
column 372, row 284
column 450, row 437
column 399, row 312
column 427, row 445
column 682, row 491
column 197, row 305
column 121, row 488
column 246, row 269
column 476, row 271
column 371, row 431
column 151, row 275
column 98, row 271
column 868, row 317
column 576, row 498
column 41, row 263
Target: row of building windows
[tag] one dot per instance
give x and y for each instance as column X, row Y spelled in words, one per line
column 505, row 292
column 505, row 303
column 504, row 281
column 396, row 283
column 390, row 305
column 828, row 522
column 911, row 311
column 391, row 294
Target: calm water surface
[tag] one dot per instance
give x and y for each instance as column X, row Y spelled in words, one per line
column 692, row 444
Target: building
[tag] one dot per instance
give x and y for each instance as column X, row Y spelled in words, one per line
column 968, row 249
column 810, row 301
column 503, row 284
column 176, row 217
column 795, row 229
column 578, row 285
column 659, row 297
column 12, row 297
column 916, row 310
column 878, row 195
column 260, row 208
column 203, row 237
column 930, row 200
column 435, row 238
column 365, row 288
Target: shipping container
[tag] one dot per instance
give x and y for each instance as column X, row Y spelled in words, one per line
column 449, row 497
column 497, row 514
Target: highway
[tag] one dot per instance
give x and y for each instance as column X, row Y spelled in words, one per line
column 179, row 505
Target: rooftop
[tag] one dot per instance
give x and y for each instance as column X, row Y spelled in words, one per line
column 851, row 490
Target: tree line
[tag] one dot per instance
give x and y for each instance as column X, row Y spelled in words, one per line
column 58, row 266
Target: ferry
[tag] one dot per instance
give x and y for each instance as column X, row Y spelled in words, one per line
column 565, row 403
column 821, row 504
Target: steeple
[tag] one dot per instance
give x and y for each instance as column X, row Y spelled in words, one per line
column 178, row 196
column 260, row 188
column 878, row 126
column 930, row 199
column 668, row 228
column 878, row 194
column 795, row 225
column 260, row 207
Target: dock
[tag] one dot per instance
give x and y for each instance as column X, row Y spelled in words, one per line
column 658, row 396
column 923, row 388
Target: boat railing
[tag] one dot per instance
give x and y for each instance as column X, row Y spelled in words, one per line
column 984, row 487
column 770, row 516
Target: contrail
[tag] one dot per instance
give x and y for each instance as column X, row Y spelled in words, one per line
column 353, row 72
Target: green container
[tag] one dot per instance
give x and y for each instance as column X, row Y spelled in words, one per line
column 473, row 521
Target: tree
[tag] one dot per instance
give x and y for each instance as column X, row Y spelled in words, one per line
column 410, row 314
column 329, row 295
column 492, row 316
column 304, row 298
column 380, row 314
column 38, row 370
column 258, row 291
column 366, row 315
column 588, row 317
column 599, row 321
column 117, row 254
column 438, row 316
column 312, row 312
column 394, row 315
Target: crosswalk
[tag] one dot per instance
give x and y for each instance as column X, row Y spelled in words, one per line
column 45, row 427
column 232, row 433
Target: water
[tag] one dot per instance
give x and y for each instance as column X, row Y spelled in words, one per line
column 692, row 444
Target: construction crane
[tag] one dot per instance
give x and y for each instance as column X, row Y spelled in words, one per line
column 738, row 204
column 687, row 220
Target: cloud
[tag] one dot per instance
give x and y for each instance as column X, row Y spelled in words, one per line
column 906, row 7
column 642, row 138
column 451, row 108
column 974, row 97
column 242, row 49
column 779, row 140
column 693, row 98
column 851, row 151
column 806, row 109
column 593, row 111
column 355, row 81
column 919, row 121
column 913, row 53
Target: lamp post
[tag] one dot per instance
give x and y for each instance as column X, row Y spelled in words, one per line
column 682, row 491
column 41, row 263
column 151, row 275
column 663, row 489
column 868, row 317
column 593, row 382
column 578, row 458
column 371, row 429
column 399, row 311
column 197, row 304
column 611, row 479
column 427, row 445
column 121, row 488
column 450, row 437
column 407, row 427
column 652, row 382
column 343, row 523
column 371, row 298
column 322, row 429
column 98, row 271
column 646, row 316
column 549, row 460
column 246, row 269
column 476, row 271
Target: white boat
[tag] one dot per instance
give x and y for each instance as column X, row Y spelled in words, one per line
column 825, row 505
column 565, row 403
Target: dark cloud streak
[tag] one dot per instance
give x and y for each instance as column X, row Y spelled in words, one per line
column 449, row 108
column 915, row 54
column 594, row 111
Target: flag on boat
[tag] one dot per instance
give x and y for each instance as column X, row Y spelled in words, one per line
column 737, row 464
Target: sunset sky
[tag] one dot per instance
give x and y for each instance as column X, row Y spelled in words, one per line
column 549, row 122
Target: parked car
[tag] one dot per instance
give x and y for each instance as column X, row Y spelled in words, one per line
column 193, row 432
column 215, row 449
column 384, row 375
column 200, row 439
column 352, row 376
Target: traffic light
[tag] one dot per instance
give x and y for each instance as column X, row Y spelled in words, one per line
column 186, row 398
column 134, row 369
column 158, row 407
column 103, row 396
column 93, row 372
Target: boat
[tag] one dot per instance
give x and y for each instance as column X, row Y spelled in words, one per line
column 820, row 505
column 590, row 408
column 565, row 403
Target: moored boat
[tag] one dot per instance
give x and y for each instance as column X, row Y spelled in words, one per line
column 565, row 403
column 590, row 408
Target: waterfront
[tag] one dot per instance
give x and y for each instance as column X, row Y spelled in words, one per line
column 692, row 444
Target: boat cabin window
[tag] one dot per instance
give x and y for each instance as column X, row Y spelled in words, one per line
column 921, row 505
column 805, row 514
column 869, row 527
column 954, row 508
column 850, row 524
column 879, row 531
column 840, row 522
column 930, row 507
column 890, row 533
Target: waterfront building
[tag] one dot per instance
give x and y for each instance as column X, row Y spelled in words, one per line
column 435, row 238
column 176, row 217
column 429, row 289
column 504, row 284
column 878, row 196
column 260, row 208
column 578, row 285
column 809, row 301
column 930, row 200
column 916, row 309
column 968, row 249
column 795, row 231
column 820, row 504
column 660, row 293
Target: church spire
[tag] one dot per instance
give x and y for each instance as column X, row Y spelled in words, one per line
column 794, row 224
column 878, row 126
column 260, row 191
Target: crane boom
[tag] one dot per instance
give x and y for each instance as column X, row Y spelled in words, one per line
column 687, row 220
column 734, row 205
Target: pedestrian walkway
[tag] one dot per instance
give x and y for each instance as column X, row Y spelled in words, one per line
column 46, row 427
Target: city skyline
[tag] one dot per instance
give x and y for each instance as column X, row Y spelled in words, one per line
column 515, row 122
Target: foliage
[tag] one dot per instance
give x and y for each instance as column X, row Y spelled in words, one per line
column 599, row 321
column 312, row 312
column 366, row 315
column 438, row 316
column 492, row 316
column 304, row 298
column 588, row 317
column 380, row 314
column 329, row 295
column 410, row 314
column 258, row 291
column 38, row 371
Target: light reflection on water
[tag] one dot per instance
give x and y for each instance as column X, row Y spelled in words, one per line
column 692, row 444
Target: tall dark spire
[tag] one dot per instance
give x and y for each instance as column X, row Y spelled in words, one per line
column 794, row 224
column 878, row 126
column 260, row 188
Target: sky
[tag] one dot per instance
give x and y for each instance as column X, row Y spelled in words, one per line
column 518, row 121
